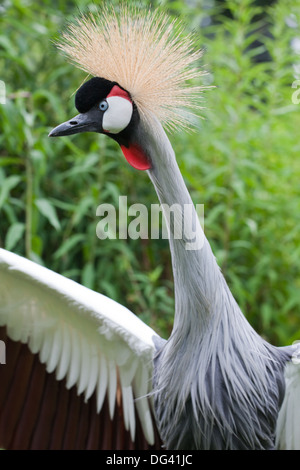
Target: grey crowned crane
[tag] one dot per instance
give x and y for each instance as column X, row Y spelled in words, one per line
column 81, row 370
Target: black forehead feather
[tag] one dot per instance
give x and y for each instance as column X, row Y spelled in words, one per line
column 91, row 92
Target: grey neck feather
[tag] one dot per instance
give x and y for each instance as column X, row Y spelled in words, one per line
column 213, row 355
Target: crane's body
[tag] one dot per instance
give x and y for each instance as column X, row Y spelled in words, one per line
column 215, row 383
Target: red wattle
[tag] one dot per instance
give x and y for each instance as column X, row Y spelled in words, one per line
column 136, row 157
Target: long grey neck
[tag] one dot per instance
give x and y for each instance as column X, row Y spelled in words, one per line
column 196, row 273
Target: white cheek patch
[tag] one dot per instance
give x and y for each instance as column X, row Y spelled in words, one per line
column 118, row 114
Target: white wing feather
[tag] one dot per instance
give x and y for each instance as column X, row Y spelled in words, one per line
column 84, row 336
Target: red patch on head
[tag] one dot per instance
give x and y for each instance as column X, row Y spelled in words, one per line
column 136, row 157
column 117, row 91
column 133, row 154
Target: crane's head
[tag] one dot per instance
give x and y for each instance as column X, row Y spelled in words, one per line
column 107, row 108
column 140, row 64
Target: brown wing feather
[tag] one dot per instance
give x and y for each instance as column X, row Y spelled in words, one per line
column 38, row 412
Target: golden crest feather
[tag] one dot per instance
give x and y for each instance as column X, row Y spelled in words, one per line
column 146, row 53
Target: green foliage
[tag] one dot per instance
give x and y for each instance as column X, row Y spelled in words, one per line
column 243, row 164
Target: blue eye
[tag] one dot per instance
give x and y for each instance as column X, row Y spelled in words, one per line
column 103, row 105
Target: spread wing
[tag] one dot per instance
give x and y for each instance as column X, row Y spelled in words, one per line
column 78, row 365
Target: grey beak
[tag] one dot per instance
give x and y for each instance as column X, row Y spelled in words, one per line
column 85, row 122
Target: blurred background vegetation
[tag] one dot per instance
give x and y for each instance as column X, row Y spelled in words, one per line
column 243, row 164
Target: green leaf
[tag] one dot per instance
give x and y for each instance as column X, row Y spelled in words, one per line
column 88, row 275
column 13, row 235
column 7, row 185
column 48, row 211
column 69, row 244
